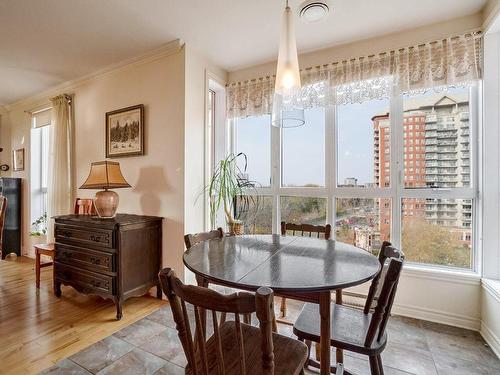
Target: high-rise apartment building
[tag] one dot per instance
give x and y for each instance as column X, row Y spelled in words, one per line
column 436, row 154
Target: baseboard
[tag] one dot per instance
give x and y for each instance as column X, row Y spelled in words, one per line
column 437, row 316
column 432, row 315
column 491, row 339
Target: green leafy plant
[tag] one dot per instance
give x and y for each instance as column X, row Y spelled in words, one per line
column 39, row 226
column 230, row 189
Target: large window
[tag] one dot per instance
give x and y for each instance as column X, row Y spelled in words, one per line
column 40, row 134
column 399, row 169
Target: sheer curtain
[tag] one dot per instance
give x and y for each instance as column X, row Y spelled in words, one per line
column 60, row 189
column 452, row 61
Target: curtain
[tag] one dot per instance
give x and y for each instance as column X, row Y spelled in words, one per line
column 60, row 189
column 453, row 61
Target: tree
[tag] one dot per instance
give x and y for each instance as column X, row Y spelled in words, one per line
column 423, row 242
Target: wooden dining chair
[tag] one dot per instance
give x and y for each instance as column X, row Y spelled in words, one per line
column 234, row 347
column 3, row 208
column 82, row 207
column 307, row 230
column 193, row 239
column 359, row 331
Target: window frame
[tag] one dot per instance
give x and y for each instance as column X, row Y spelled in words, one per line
column 396, row 192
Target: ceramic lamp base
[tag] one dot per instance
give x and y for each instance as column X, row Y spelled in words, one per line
column 106, row 203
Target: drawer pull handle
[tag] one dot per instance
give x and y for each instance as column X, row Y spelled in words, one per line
column 95, row 261
column 66, row 233
column 95, row 238
column 95, row 284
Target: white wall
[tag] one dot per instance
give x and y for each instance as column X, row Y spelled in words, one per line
column 171, row 87
column 490, row 311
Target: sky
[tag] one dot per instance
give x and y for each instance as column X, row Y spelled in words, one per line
column 304, row 147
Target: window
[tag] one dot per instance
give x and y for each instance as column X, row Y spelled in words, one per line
column 304, row 152
column 358, row 175
column 40, row 135
column 253, row 138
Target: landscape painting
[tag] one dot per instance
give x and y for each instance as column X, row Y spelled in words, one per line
column 125, row 132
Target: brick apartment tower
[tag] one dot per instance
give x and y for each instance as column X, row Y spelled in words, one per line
column 435, row 154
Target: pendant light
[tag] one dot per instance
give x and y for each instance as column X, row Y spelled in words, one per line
column 288, row 111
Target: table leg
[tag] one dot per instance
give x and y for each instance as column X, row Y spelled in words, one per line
column 324, row 312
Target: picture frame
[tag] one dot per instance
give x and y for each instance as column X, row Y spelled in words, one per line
column 125, row 132
column 18, row 160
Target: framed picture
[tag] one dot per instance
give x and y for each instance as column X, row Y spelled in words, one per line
column 18, row 160
column 125, row 132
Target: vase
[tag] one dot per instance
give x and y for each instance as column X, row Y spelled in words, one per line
column 236, row 228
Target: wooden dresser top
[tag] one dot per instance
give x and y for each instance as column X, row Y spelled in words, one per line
column 119, row 220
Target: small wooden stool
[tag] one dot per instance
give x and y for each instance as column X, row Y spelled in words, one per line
column 43, row 249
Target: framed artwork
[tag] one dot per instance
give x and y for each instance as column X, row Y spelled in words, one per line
column 125, row 132
column 18, row 160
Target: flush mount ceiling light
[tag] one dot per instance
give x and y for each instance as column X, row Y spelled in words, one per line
column 314, row 11
column 287, row 111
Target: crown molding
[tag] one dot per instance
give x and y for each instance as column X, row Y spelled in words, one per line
column 167, row 49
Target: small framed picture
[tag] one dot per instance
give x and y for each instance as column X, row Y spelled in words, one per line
column 125, row 132
column 18, row 160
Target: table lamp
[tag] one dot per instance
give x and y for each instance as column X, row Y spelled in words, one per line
column 105, row 175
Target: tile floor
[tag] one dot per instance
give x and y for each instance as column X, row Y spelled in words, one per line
column 151, row 346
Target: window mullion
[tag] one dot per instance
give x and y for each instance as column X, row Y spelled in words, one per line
column 276, row 162
column 396, row 163
column 330, row 163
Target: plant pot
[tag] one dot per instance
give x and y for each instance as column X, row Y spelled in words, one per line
column 236, row 228
column 37, row 240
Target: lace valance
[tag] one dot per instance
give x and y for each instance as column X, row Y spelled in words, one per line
column 448, row 62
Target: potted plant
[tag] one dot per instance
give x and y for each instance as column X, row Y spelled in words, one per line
column 230, row 189
column 39, row 229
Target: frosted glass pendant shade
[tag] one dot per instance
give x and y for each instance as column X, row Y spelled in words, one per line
column 287, row 113
column 287, row 109
column 287, row 73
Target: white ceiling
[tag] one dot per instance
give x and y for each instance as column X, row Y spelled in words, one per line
column 45, row 43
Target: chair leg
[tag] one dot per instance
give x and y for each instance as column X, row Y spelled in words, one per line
column 374, row 368
column 380, row 366
column 37, row 268
column 283, row 308
column 318, row 351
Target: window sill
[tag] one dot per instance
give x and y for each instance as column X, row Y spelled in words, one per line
column 435, row 273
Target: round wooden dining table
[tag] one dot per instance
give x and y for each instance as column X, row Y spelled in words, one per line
column 304, row 267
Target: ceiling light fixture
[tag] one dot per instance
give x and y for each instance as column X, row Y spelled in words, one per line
column 287, row 111
column 314, row 11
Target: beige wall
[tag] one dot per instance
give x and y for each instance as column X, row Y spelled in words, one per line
column 171, row 87
column 368, row 46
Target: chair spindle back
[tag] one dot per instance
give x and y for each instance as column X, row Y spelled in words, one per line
column 383, row 309
column 386, row 251
column 307, row 229
column 204, row 300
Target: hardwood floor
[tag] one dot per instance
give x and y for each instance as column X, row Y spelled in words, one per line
column 38, row 329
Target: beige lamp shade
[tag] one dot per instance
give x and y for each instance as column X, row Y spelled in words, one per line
column 105, row 175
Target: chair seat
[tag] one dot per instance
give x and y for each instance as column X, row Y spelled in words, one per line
column 348, row 328
column 45, row 248
column 289, row 355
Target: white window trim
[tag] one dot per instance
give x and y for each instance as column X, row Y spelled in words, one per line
column 396, row 191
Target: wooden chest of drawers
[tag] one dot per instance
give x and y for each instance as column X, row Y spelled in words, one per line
column 115, row 258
